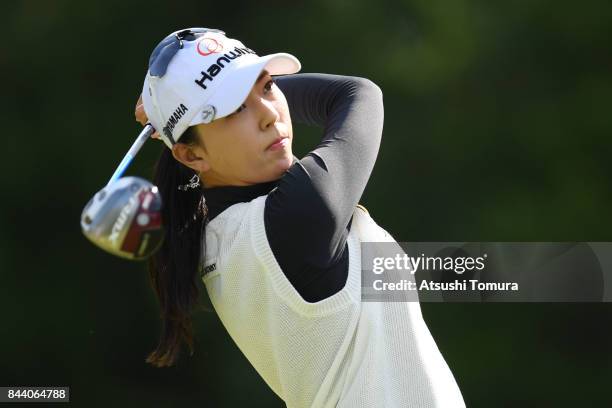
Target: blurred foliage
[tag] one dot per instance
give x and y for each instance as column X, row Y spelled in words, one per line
column 497, row 119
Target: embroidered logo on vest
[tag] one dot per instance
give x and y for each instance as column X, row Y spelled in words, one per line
column 208, row 269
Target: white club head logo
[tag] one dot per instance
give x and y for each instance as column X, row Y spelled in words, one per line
column 143, row 219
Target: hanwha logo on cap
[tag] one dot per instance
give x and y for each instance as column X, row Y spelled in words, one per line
column 208, row 113
column 208, row 45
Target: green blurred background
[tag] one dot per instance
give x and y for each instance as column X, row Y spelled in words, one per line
column 497, row 125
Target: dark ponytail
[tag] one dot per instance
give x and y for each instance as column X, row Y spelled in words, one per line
column 173, row 270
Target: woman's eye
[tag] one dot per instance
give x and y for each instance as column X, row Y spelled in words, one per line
column 268, row 85
column 267, row 88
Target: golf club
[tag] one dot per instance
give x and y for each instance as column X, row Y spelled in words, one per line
column 124, row 218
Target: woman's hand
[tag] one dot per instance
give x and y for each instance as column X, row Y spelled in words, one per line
column 141, row 116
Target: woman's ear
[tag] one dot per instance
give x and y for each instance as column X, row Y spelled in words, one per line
column 188, row 156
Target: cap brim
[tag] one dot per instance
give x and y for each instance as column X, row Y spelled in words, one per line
column 237, row 85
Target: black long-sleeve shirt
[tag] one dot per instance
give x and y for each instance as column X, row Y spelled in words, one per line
column 308, row 210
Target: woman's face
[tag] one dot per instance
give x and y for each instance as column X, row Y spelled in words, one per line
column 250, row 146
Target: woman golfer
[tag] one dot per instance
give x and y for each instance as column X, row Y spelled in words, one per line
column 277, row 239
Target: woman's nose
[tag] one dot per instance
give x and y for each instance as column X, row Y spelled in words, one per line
column 268, row 114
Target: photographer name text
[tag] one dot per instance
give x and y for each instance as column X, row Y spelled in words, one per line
column 456, row 285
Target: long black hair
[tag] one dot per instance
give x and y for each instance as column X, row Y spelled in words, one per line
column 173, row 270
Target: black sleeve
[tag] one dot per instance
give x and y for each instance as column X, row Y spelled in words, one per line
column 307, row 216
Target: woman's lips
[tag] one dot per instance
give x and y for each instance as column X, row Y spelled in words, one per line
column 279, row 143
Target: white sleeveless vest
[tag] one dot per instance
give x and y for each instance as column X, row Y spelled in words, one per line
column 338, row 352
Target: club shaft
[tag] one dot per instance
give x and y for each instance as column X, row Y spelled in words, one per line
column 147, row 131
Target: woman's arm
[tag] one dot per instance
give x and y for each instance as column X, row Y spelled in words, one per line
column 307, row 215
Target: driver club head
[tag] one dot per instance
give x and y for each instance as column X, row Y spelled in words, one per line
column 124, row 218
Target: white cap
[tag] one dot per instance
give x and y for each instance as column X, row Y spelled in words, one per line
column 198, row 75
